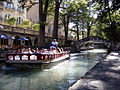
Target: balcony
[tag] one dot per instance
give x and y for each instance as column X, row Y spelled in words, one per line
column 9, row 9
column 11, row 29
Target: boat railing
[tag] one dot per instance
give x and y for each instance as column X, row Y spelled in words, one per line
column 36, row 56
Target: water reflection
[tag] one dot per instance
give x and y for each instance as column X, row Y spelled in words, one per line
column 59, row 77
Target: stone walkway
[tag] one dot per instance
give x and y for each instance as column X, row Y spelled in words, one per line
column 104, row 76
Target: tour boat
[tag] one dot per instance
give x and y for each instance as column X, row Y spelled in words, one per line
column 34, row 60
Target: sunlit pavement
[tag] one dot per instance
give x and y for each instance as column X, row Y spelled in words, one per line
column 104, row 76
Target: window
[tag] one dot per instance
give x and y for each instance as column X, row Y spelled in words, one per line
column 8, row 15
column 9, row 5
column 19, row 20
column 49, row 29
column 17, row 8
column 12, row 6
column 5, row 4
column 5, row 18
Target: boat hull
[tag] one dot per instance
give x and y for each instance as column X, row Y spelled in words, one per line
column 35, row 63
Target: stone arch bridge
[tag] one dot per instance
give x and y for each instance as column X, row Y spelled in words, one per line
column 105, row 42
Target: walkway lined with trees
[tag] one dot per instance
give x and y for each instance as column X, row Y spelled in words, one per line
column 104, row 76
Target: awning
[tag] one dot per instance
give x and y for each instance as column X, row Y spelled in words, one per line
column 22, row 38
column 10, row 37
column 2, row 36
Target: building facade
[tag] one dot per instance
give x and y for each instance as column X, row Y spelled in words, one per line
column 13, row 9
column 33, row 16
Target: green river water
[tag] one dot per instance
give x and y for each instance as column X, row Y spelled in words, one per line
column 58, row 77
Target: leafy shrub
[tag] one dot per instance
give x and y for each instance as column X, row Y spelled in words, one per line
column 11, row 21
column 26, row 24
column 36, row 27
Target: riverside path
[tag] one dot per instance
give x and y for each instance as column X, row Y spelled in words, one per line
column 104, row 76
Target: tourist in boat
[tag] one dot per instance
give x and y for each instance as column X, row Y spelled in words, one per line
column 55, row 43
column 18, row 51
column 21, row 50
column 53, row 50
column 28, row 51
column 36, row 50
column 42, row 50
column 62, row 50
column 59, row 50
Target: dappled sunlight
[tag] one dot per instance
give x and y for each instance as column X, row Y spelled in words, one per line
column 115, row 68
column 97, row 51
column 112, row 57
column 114, row 53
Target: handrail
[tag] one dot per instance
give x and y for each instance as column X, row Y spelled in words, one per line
column 37, row 56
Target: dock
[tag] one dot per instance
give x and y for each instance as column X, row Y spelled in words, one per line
column 103, row 76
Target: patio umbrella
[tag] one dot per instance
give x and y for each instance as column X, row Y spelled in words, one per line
column 10, row 37
column 22, row 38
column 2, row 36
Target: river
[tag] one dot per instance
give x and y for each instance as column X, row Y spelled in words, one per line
column 58, row 77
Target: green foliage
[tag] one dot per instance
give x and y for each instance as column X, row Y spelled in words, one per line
column 26, row 24
column 11, row 21
column 36, row 27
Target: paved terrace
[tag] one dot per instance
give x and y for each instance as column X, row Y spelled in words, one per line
column 104, row 76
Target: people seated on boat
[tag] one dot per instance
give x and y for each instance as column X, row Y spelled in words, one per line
column 21, row 50
column 59, row 50
column 55, row 43
column 53, row 50
column 18, row 51
column 27, row 51
column 62, row 50
column 42, row 50
column 36, row 51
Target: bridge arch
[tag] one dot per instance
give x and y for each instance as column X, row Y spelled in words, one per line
column 81, row 42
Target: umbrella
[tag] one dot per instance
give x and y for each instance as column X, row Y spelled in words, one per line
column 22, row 38
column 2, row 36
column 10, row 37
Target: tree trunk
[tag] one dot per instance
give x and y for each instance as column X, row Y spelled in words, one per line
column 82, row 34
column 42, row 20
column 77, row 33
column 66, row 29
column 88, row 30
column 55, row 30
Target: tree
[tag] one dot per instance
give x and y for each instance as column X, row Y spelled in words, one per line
column 56, row 18
column 43, row 7
column 107, row 22
column 79, row 15
column 65, row 15
column 11, row 21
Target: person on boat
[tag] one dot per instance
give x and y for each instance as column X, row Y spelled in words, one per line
column 42, row 50
column 36, row 50
column 55, row 43
column 18, row 51
column 53, row 50
column 28, row 51
column 59, row 50
column 62, row 50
